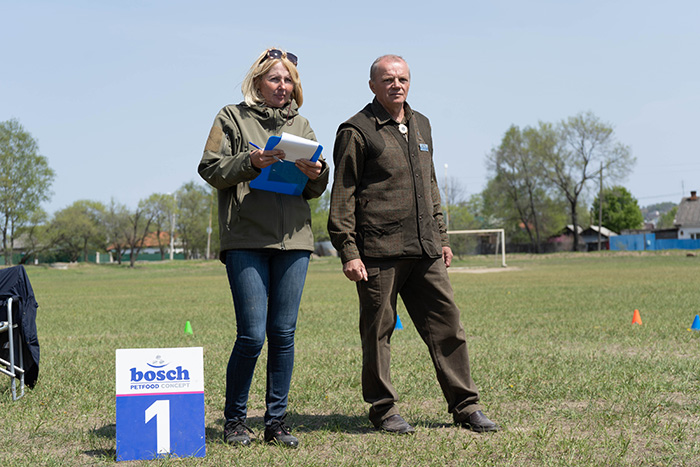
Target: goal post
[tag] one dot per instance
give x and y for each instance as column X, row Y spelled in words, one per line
column 500, row 239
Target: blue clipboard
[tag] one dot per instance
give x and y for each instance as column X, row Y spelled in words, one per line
column 282, row 177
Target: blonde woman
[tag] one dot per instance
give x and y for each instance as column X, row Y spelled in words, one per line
column 266, row 237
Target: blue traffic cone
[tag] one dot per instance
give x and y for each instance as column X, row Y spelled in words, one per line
column 398, row 322
column 696, row 323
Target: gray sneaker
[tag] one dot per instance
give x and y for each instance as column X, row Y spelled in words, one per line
column 236, row 433
column 278, row 432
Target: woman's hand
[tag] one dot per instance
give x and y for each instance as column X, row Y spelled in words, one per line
column 308, row 168
column 262, row 159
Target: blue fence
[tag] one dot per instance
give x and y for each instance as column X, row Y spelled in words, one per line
column 641, row 242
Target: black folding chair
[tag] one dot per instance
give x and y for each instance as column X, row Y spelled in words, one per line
column 19, row 344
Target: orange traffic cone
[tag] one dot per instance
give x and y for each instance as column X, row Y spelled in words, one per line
column 636, row 319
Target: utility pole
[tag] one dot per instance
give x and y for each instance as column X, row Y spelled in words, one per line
column 209, row 229
column 600, row 208
column 447, row 201
column 172, row 227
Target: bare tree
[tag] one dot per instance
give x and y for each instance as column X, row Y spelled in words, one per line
column 575, row 152
column 139, row 224
column 160, row 207
column 116, row 221
column 453, row 194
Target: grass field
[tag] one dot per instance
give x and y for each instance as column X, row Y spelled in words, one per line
column 553, row 349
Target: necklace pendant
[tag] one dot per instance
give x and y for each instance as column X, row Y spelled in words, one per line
column 403, row 129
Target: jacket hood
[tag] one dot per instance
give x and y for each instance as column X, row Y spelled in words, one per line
column 274, row 115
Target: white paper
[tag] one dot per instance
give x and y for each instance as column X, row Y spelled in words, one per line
column 296, row 147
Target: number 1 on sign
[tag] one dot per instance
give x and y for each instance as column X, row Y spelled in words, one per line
column 161, row 411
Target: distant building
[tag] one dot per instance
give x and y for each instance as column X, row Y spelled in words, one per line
column 150, row 247
column 684, row 235
column 564, row 239
column 688, row 217
column 590, row 237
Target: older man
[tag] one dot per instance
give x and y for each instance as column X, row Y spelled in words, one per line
column 386, row 222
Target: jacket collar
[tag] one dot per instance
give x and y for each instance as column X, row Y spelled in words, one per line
column 274, row 114
column 383, row 117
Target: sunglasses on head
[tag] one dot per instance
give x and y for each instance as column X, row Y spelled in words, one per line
column 277, row 54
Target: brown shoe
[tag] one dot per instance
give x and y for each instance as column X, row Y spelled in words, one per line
column 396, row 424
column 478, row 422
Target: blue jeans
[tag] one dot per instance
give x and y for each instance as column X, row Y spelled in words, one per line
column 266, row 286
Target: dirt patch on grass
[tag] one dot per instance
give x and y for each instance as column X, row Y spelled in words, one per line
column 482, row 270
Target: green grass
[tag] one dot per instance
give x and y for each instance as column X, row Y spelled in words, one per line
column 553, row 349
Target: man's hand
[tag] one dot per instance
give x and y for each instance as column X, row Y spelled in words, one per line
column 447, row 255
column 355, row 270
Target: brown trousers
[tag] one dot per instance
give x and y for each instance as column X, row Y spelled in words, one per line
column 425, row 289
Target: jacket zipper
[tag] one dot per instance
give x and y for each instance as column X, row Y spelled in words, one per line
column 282, row 220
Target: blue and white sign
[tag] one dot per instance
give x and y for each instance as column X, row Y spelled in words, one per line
column 160, row 403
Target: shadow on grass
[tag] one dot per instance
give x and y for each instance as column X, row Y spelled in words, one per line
column 300, row 423
column 102, row 454
column 338, row 423
column 106, row 432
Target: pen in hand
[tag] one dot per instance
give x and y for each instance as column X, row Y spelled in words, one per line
column 258, row 147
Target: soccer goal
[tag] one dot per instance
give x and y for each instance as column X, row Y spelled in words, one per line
column 488, row 241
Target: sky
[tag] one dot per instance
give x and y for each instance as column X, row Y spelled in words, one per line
column 120, row 95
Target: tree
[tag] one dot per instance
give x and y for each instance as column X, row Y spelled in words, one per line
column 576, row 152
column 656, row 210
column 213, row 240
column 620, row 210
column 25, row 181
column 453, row 193
column 519, row 193
column 458, row 214
column 116, row 222
column 461, row 218
column 161, row 208
column 138, row 228
column 78, row 228
column 319, row 216
column 482, row 217
column 34, row 235
column 194, row 206
column 520, row 189
column 668, row 220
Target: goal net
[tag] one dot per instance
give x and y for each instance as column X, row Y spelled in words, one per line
column 479, row 242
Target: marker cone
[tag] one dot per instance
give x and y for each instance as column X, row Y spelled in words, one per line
column 188, row 329
column 636, row 319
column 696, row 323
column 398, row 322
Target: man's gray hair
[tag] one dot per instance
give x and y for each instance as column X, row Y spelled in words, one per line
column 375, row 64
